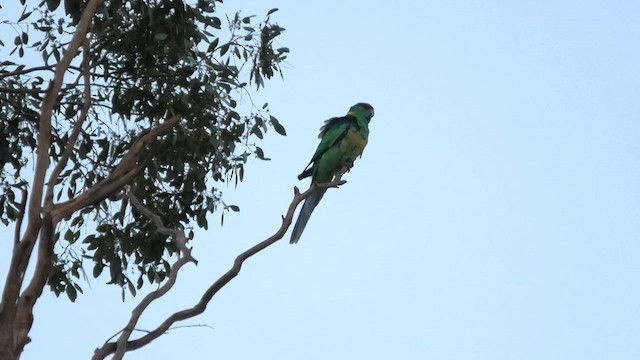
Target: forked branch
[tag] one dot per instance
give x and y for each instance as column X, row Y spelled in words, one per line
column 128, row 168
column 119, row 346
column 180, row 240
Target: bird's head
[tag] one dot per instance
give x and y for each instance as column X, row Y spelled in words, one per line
column 362, row 109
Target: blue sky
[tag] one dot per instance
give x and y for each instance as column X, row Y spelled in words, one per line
column 494, row 214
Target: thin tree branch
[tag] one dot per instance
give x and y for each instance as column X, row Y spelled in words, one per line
column 22, row 90
column 23, row 204
column 180, row 240
column 111, row 347
column 189, row 326
column 77, row 127
column 32, row 91
column 122, row 342
column 128, row 168
column 178, row 237
column 26, row 71
column 171, row 328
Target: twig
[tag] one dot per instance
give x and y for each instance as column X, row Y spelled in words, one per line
column 171, row 328
column 32, row 91
column 111, row 347
column 190, row 326
column 25, row 71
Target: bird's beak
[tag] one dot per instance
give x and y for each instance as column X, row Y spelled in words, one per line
column 372, row 112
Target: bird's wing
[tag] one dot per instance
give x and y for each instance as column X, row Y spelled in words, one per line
column 334, row 130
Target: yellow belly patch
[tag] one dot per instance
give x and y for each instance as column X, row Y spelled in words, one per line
column 356, row 142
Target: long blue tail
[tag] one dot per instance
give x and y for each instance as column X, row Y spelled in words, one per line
column 305, row 213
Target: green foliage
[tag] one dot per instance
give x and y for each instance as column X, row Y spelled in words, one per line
column 148, row 60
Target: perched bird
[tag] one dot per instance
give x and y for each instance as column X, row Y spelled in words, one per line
column 342, row 140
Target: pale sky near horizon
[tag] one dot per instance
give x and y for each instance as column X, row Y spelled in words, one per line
column 494, row 214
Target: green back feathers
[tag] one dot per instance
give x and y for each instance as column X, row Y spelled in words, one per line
column 334, row 150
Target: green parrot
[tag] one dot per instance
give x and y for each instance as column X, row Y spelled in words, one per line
column 342, row 140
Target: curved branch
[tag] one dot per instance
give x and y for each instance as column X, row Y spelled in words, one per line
column 177, row 236
column 180, row 239
column 111, row 347
column 128, row 168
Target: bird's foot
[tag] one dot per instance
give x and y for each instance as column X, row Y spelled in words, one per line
column 348, row 165
column 331, row 184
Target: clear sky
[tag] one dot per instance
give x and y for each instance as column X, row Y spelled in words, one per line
column 494, row 215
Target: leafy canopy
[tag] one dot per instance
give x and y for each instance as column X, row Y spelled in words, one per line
column 144, row 62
